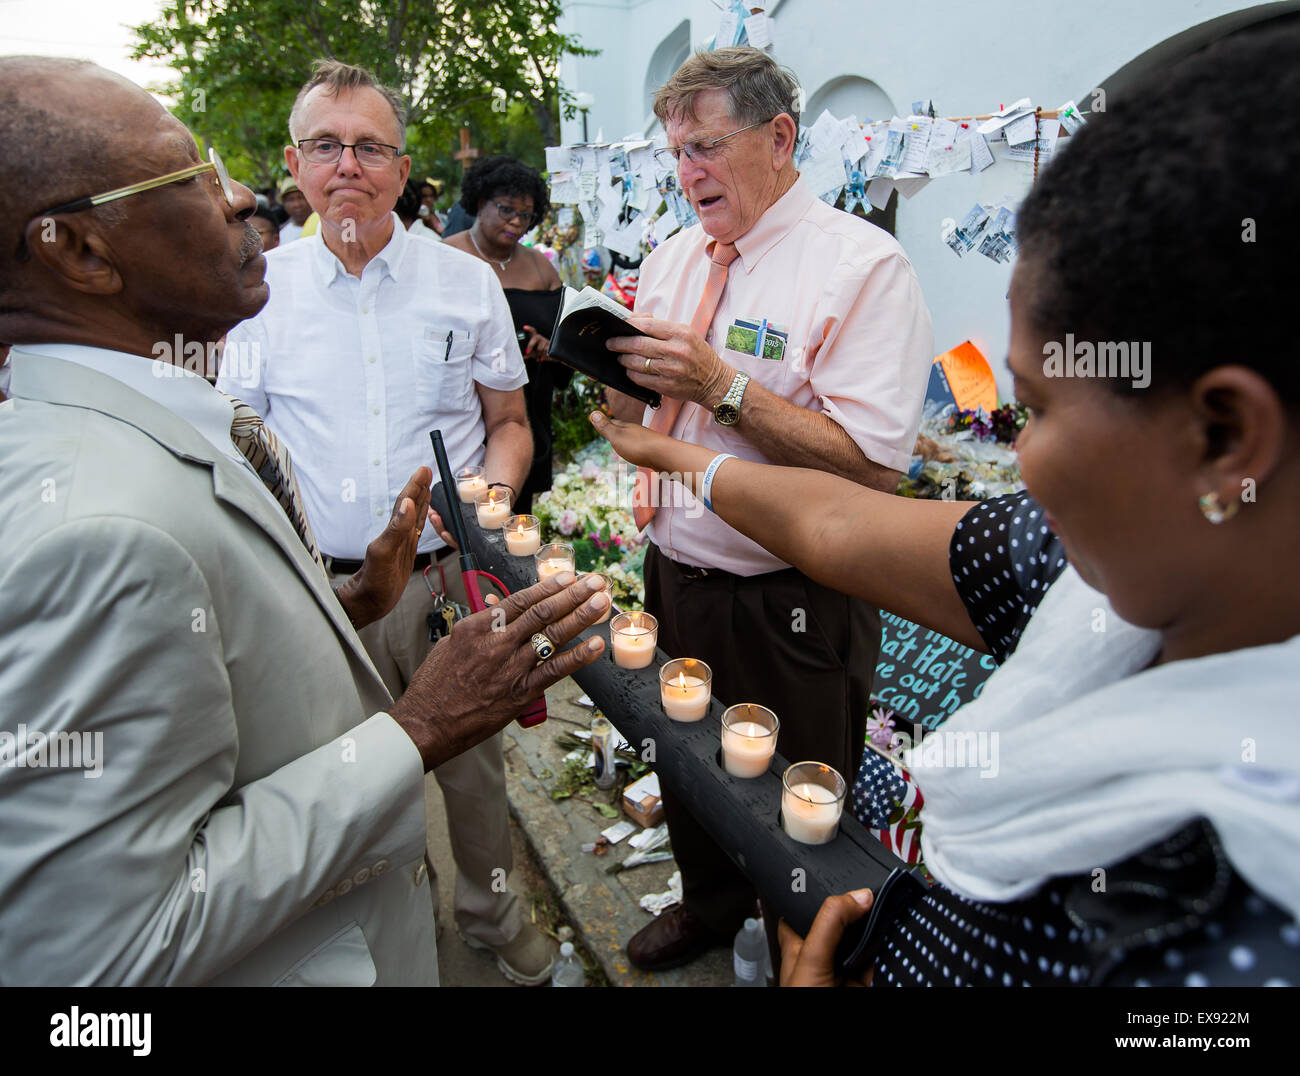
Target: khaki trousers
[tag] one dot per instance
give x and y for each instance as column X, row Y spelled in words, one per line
column 473, row 784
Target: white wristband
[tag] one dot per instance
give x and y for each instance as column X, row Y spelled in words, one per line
column 706, row 487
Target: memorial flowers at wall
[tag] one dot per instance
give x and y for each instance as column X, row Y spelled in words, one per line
column 587, row 506
column 965, row 455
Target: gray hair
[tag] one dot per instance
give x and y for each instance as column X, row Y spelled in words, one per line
column 337, row 76
column 758, row 87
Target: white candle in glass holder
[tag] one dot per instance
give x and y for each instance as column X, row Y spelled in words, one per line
column 685, row 698
column 810, row 823
column 552, row 559
column 493, row 509
column 470, row 487
column 523, row 535
column 634, row 636
column 634, row 648
column 747, row 749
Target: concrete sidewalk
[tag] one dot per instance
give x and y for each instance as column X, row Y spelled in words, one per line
column 603, row 909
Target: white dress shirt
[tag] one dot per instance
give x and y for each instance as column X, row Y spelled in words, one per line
column 353, row 374
column 290, row 231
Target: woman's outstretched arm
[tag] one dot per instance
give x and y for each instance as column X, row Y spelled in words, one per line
column 891, row 551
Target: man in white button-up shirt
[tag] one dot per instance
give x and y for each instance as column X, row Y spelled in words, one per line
column 372, row 338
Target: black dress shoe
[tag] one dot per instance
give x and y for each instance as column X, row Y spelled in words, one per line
column 676, row 937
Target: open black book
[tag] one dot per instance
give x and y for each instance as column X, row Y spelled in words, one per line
column 586, row 320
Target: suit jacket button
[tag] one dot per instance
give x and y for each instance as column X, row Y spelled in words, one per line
column 361, row 877
column 379, row 868
column 326, row 897
column 343, row 887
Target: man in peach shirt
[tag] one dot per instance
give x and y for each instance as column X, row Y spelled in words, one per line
column 784, row 331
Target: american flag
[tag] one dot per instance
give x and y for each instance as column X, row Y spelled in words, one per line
column 888, row 802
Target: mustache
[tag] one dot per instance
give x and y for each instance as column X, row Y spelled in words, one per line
column 251, row 245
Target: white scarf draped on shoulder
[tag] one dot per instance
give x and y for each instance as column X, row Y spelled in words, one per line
column 1098, row 757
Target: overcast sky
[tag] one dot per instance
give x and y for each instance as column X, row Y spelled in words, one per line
column 95, row 30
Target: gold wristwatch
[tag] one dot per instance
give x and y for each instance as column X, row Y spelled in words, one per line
column 727, row 413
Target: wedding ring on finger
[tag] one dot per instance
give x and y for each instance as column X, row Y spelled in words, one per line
column 542, row 646
column 647, row 366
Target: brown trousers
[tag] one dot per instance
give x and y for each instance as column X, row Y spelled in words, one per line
column 780, row 640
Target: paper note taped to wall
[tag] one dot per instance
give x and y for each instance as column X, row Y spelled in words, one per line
column 969, row 377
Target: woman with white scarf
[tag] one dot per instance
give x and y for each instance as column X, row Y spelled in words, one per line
column 1144, row 822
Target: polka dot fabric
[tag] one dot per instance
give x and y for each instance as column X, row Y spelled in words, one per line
column 1003, row 557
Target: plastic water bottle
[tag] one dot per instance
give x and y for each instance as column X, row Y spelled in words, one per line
column 567, row 971
column 749, row 956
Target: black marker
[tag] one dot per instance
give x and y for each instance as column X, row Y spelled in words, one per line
column 448, row 355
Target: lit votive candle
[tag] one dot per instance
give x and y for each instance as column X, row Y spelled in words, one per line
column 685, row 685
column 552, row 559
column 493, row 508
column 470, row 482
column 523, row 535
column 812, row 796
column 748, row 739
column 609, row 609
column 635, row 636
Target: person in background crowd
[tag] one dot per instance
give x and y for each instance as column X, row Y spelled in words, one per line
column 837, row 385
column 458, row 219
column 430, row 192
column 408, row 210
column 264, row 222
column 508, row 199
column 297, row 206
column 1143, row 828
column 372, row 338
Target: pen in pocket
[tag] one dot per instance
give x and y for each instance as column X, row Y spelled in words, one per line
column 448, row 354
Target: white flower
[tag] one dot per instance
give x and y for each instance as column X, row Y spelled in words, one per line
column 568, row 521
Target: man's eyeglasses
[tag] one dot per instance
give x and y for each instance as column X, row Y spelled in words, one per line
column 213, row 164
column 508, row 213
column 328, row 151
column 700, row 151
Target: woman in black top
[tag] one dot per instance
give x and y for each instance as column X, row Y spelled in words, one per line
column 508, row 199
column 1137, row 832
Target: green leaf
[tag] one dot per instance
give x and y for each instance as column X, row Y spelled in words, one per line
column 606, row 810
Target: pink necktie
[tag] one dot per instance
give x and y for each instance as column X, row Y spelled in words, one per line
column 721, row 255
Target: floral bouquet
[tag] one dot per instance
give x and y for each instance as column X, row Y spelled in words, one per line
column 587, row 507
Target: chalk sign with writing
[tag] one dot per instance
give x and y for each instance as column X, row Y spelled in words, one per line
column 924, row 676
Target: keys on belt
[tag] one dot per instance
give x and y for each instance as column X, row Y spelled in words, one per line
column 443, row 615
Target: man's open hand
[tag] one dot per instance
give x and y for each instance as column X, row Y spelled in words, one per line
column 390, row 558
column 484, row 674
column 633, row 442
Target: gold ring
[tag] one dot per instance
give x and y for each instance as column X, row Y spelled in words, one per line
column 542, row 646
column 647, row 366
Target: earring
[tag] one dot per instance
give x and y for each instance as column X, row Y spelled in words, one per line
column 1214, row 510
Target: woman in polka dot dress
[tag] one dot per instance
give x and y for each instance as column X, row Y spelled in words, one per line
column 1144, row 827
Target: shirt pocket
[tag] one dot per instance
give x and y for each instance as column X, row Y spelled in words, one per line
column 444, row 375
column 782, row 367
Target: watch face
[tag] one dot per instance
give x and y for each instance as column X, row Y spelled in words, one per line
column 726, row 414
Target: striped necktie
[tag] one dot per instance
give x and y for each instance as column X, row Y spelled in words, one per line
column 721, row 255
column 270, row 459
